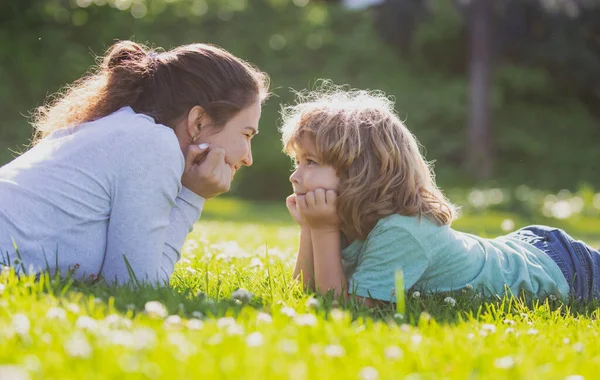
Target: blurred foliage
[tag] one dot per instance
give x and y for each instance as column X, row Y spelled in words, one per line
column 545, row 131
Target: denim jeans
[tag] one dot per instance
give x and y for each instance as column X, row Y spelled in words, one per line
column 578, row 262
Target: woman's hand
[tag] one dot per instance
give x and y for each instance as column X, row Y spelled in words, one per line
column 206, row 173
column 319, row 209
column 292, row 206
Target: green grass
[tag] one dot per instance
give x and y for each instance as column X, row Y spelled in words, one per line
column 57, row 329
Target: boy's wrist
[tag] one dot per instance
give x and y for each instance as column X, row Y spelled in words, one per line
column 323, row 231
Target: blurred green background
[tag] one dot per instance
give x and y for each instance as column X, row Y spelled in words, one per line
column 543, row 60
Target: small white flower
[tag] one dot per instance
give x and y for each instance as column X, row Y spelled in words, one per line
column 416, row 295
column 255, row 263
column 305, row 320
column 190, row 270
column 288, row 346
column 334, row 351
column 469, row 287
column 288, row 311
column 13, row 372
column 197, row 314
column 509, row 322
column 532, row 331
column 173, row 321
column 336, row 314
column 264, row 318
column 507, row 225
column 504, row 362
column 194, row 324
column 255, row 339
column 73, row 308
column 552, row 297
column 393, row 352
column 578, row 347
column 398, row 316
column 566, row 340
column 21, row 324
column 312, row 303
column 155, row 309
column 416, row 339
column 2, row 287
column 450, row 301
column 574, row 377
column 489, row 328
column 86, row 323
column 470, row 336
column 225, row 322
column 78, row 346
column 368, row 373
column 242, row 295
column 144, row 338
column 56, row 313
column 116, row 321
column 509, row 330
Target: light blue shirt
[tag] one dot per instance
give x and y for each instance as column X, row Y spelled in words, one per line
column 438, row 258
column 85, row 197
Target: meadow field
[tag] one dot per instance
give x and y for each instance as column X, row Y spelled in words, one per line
column 205, row 327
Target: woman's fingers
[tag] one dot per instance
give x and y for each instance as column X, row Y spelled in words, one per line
column 194, row 154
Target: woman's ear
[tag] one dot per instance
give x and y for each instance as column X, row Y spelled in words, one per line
column 195, row 120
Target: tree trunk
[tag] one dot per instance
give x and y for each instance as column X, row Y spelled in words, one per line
column 479, row 152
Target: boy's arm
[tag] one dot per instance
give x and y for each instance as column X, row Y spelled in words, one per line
column 329, row 272
column 305, row 260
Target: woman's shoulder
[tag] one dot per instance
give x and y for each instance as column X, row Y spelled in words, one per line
column 130, row 133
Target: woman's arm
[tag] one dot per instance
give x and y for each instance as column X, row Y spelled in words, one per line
column 151, row 214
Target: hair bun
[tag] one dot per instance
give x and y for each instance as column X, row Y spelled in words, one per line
column 124, row 52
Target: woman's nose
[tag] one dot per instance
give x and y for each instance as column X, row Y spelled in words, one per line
column 248, row 159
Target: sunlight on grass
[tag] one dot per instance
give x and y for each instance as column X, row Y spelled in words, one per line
column 233, row 311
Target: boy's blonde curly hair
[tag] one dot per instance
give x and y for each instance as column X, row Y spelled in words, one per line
column 381, row 168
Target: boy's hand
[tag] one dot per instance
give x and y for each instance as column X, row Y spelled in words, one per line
column 319, row 209
column 292, row 206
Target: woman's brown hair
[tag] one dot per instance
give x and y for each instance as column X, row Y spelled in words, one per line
column 162, row 85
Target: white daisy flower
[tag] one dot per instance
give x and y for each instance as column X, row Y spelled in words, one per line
column 368, row 373
column 56, row 313
column 78, row 346
column 450, row 301
column 393, row 352
column 334, row 351
column 242, row 295
column 255, row 339
column 305, row 320
column 21, row 324
column 155, row 309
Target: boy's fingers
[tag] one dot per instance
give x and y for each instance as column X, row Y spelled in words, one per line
column 301, row 202
column 319, row 196
column 310, row 199
column 331, row 197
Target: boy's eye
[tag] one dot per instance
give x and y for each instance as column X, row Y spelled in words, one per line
column 310, row 162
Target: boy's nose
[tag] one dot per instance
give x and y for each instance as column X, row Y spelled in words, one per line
column 294, row 178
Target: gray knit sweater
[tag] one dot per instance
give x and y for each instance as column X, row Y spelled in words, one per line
column 87, row 197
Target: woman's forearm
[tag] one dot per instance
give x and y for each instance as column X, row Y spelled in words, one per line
column 329, row 272
column 304, row 261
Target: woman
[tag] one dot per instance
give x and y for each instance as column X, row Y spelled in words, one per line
column 124, row 160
